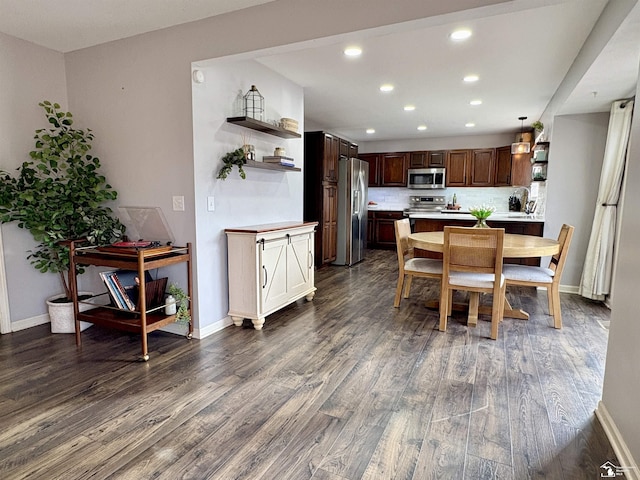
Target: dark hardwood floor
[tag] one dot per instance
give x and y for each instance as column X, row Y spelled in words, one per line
column 344, row 387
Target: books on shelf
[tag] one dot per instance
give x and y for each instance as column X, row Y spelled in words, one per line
column 117, row 291
column 284, row 161
column 123, row 287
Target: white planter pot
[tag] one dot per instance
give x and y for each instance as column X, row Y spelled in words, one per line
column 61, row 315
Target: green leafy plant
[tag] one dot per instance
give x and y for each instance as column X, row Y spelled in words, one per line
column 182, row 303
column 59, row 195
column 537, row 125
column 482, row 212
column 237, row 158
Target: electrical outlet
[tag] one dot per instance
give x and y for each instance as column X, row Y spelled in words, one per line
column 211, row 205
column 178, row 203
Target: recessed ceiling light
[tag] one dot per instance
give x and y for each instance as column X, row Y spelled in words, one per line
column 461, row 34
column 475, row 102
column 470, row 125
column 422, row 127
column 352, row 51
column 409, row 108
column 471, row 78
column 370, row 131
column 387, row 87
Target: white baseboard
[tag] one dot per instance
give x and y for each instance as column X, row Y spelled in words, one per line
column 30, row 322
column 176, row 328
column 181, row 329
column 569, row 289
column 213, row 328
column 618, row 444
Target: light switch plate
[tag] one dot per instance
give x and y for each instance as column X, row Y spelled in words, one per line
column 211, row 204
column 178, row 203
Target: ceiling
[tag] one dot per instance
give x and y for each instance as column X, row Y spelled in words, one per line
column 521, row 52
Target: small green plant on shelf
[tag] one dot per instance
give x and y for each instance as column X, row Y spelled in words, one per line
column 237, row 158
column 182, row 303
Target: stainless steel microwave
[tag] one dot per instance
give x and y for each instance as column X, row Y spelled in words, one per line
column 424, row 178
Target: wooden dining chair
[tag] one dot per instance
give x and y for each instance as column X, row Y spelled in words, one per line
column 549, row 277
column 472, row 261
column 408, row 265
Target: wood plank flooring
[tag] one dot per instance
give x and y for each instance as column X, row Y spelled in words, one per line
column 342, row 388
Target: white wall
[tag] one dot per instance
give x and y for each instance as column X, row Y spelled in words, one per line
column 29, row 74
column 264, row 196
column 575, row 160
column 439, row 143
column 136, row 94
column 621, row 380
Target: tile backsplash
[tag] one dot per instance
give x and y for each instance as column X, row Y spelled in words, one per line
column 397, row 198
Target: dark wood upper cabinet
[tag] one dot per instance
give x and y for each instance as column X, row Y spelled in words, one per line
column 353, row 150
column 521, row 169
column 393, row 169
column 482, row 167
column 457, row 166
column 330, row 164
column 436, row 159
column 503, row 167
column 418, row 159
column 373, row 159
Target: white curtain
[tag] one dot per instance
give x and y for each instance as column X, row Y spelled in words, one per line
column 596, row 275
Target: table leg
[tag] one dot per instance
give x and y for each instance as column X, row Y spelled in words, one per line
column 509, row 311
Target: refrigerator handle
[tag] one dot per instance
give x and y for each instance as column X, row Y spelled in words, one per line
column 356, row 202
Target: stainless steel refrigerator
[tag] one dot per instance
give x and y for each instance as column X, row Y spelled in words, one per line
column 353, row 180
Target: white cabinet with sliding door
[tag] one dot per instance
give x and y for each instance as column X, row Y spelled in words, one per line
column 270, row 266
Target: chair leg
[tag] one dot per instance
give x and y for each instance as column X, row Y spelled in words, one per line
column 550, row 299
column 497, row 311
column 396, row 300
column 557, row 315
column 450, row 303
column 474, row 302
column 444, row 309
column 407, row 285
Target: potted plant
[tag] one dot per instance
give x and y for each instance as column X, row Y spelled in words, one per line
column 182, row 303
column 59, row 195
column 238, row 158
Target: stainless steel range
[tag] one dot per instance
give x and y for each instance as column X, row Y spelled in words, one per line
column 425, row 203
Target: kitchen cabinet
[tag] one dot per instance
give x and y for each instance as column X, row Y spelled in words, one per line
column 503, row 167
column 418, row 159
column 329, row 245
column 520, row 228
column 393, row 169
column 270, row 266
column 457, row 167
column 146, row 318
column 481, row 167
column 382, row 233
column 521, row 169
column 322, row 153
column 373, row 159
column 437, row 159
column 470, row 167
column 427, row 159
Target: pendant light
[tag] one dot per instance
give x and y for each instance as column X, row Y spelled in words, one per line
column 521, row 146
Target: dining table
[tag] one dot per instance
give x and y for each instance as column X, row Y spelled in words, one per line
column 515, row 246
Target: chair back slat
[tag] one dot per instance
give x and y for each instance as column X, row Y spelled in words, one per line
column 473, row 251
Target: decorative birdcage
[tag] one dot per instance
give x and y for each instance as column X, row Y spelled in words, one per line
column 254, row 104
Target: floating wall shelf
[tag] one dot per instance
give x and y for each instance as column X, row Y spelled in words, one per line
column 271, row 166
column 264, row 127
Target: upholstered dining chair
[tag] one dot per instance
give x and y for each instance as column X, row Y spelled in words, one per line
column 472, row 261
column 408, row 265
column 549, row 277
